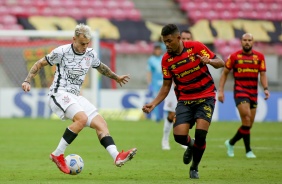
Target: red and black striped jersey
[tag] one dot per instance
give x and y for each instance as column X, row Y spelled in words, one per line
column 245, row 71
column 192, row 78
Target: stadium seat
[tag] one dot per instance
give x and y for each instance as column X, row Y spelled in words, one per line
column 3, row 10
column 118, row 14
column 8, row 19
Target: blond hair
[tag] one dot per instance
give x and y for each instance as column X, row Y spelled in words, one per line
column 82, row 29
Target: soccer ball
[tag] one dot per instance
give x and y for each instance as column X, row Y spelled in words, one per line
column 75, row 163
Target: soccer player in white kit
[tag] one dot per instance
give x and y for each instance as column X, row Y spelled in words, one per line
column 72, row 64
column 170, row 103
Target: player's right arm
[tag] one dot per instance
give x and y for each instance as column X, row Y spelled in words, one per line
column 33, row 72
column 147, row 108
column 222, row 81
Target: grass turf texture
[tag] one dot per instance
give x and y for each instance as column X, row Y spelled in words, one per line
column 25, row 146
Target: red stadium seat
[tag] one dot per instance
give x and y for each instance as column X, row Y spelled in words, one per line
column 8, row 19
column 133, row 14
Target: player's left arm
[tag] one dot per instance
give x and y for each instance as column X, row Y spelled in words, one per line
column 208, row 57
column 264, row 83
column 106, row 71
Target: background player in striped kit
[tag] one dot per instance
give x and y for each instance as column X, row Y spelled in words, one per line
column 246, row 64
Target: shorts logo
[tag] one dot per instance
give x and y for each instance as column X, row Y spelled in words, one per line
column 208, row 111
column 66, row 99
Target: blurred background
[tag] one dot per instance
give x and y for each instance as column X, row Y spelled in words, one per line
column 127, row 31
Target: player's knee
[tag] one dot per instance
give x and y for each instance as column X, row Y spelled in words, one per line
column 82, row 120
column 181, row 139
column 200, row 137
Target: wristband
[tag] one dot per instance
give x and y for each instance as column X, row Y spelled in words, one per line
column 266, row 88
column 27, row 82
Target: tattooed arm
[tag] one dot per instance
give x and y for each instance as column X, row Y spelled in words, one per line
column 106, row 71
column 33, row 72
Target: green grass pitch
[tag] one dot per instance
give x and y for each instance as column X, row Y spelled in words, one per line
column 25, row 145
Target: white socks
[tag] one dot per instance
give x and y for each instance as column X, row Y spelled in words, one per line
column 167, row 129
column 61, row 147
column 112, row 149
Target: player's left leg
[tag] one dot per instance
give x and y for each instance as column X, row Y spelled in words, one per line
column 199, row 146
column 120, row 158
column 247, row 140
column 246, row 118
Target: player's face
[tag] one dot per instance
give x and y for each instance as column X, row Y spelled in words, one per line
column 186, row 36
column 80, row 43
column 247, row 42
column 172, row 43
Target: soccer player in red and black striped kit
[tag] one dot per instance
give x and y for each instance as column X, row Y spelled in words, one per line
column 185, row 63
column 246, row 64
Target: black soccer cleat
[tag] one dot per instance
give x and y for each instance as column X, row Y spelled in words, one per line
column 194, row 174
column 188, row 154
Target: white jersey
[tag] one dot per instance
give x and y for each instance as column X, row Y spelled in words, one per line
column 71, row 68
column 170, row 102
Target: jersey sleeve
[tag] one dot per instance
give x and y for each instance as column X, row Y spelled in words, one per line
column 205, row 51
column 54, row 57
column 95, row 60
column 229, row 62
column 262, row 67
column 165, row 71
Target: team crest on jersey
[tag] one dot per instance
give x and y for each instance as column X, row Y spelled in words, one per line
column 239, row 56
column 170, row 59
column 66, row 99
column 192, row 58
column 189, row 50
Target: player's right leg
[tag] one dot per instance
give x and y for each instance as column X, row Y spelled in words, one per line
column 167, row 129
column 75, row 112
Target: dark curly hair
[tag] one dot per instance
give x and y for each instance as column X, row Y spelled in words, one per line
column 169, row 29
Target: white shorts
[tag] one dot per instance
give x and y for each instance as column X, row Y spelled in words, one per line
column 66, row 105
column 170, row 101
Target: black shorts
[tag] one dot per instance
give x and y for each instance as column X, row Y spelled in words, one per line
column 241, row 100
column 190, row 110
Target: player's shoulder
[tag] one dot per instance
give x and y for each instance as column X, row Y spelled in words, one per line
column 257, row 53
column 237, row 53
column 191, row 43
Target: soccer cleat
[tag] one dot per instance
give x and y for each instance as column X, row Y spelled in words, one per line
column 230, row 149
column 250, row 154
column 165, row 145
column 188, row 154
column 60, row 162
column 123, row 157
column 194, row 174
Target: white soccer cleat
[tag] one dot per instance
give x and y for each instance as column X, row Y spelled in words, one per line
column 250, row 154
column 230, row 149
column 165, row 145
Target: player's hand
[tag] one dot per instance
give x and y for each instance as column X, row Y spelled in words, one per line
column 267, row 94
column 220, row 97
column 204, row 59
column 26, row 86
column 147, row 108
column 122, row 79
